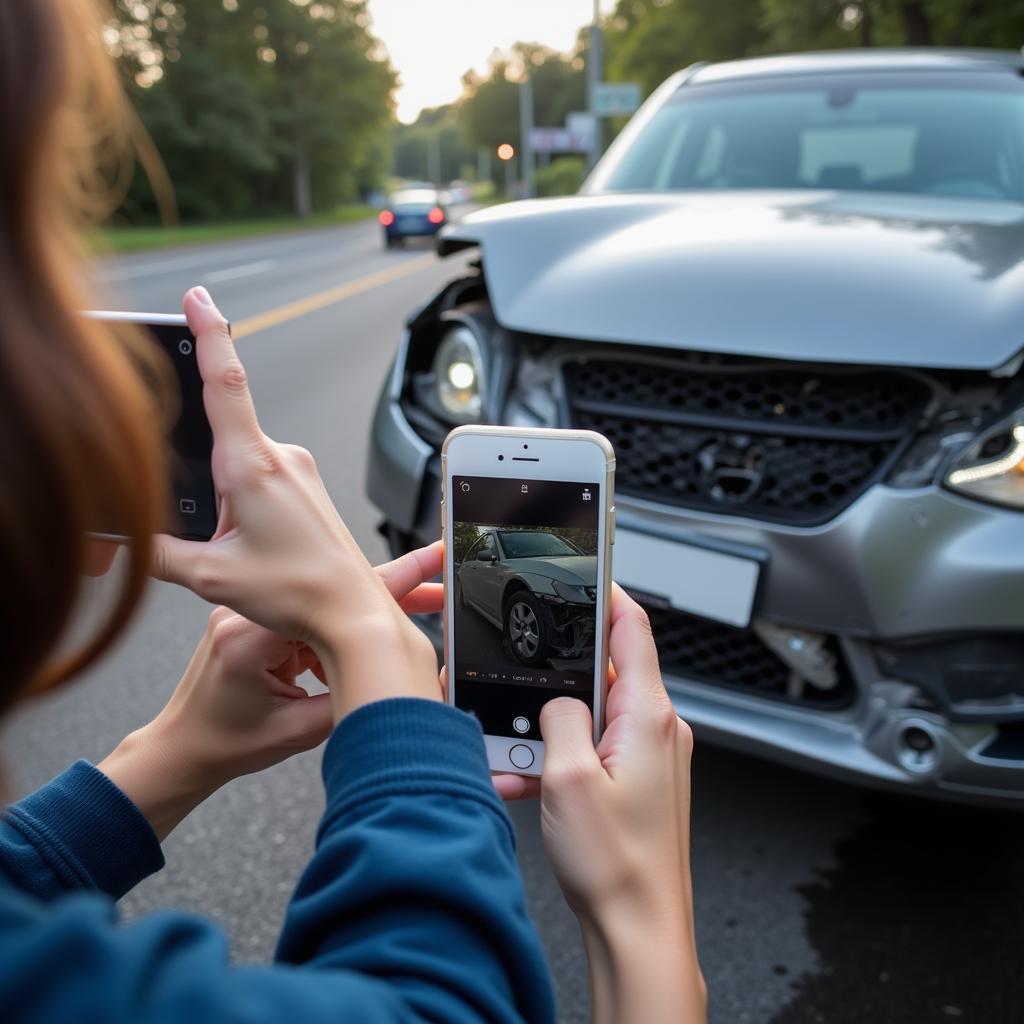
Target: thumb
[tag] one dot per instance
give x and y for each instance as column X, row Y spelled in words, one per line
column 568, row 731
column 176, row 560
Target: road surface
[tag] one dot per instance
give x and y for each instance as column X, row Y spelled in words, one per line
column 815, row 901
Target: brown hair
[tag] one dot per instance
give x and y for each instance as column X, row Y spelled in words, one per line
column 80, row 444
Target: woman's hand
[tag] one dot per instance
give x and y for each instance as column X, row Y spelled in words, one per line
column 616, row 824
column 281, row 556
column 239, row 708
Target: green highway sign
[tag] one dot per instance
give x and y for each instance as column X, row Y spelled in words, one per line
column 614, row 99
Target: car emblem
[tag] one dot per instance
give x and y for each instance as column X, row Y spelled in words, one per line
column 732, row 468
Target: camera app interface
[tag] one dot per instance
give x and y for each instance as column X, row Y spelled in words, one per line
column 524, row 593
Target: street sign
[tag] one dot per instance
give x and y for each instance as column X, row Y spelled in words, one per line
column 614, row 99
column 559, row 140
column 582, row 124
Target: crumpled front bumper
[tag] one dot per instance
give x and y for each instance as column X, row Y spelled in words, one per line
column 897, row 565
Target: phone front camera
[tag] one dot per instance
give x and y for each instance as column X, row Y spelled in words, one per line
column 525, row 446
column 501, row 458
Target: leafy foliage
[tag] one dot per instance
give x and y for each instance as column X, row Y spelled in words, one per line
column 258, row 106
column 649, row 39
column 433, row 144
column 489, row 109
column 562, row 177
column 268, row 106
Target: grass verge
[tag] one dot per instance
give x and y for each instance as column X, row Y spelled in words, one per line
column 137, row 239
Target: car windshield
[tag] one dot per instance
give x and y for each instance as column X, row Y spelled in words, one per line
column 944, row 134
column 419, row 200
column 528, row 544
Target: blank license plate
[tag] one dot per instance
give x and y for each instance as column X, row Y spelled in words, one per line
column 692, row 579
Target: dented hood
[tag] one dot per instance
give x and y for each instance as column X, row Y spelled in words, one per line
column 824, row 276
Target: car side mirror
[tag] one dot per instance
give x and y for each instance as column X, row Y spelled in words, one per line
column 486, row 556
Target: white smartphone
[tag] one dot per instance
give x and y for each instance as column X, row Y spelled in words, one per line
column 528, row 520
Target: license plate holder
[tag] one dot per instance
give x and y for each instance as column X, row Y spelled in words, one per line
column 698, row 576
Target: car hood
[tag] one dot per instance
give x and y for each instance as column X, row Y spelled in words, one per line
column 576, row 570
column 824, row 276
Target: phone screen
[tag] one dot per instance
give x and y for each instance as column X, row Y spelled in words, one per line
column 193, row 494
column 524, row 597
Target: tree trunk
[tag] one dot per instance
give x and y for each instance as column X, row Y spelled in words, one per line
column 302, row 195
column 917, row 28
column 867, row 25
column 971, row 11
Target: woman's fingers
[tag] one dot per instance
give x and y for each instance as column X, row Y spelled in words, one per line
column 516, row 787
column 425, row 599
column 403, row 575
column 99, row 556
column 229, row 405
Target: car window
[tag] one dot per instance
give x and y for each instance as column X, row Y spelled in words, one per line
column 418, row 197
column 954, row 134
column 487, row 547
column 471, row 553
column 535, row 544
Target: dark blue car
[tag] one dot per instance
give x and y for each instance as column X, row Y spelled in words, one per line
column 412, row 213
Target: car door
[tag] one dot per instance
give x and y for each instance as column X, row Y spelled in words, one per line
column 491, row 578
column 471, row 570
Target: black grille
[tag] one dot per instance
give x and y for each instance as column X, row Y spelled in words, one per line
column 781, row 444
column 719, row 655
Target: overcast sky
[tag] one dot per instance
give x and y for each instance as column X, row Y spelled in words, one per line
column 432, row 42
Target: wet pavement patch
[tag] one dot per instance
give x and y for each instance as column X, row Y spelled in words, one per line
column 918, row 919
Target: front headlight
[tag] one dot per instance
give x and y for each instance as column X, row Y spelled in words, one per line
column 458, row 375
column 992, row 468
column 572, row 593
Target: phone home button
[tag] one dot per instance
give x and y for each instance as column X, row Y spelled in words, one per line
column 521, row 755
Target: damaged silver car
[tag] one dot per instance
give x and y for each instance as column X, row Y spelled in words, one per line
column 537, row 588
column 792, row 296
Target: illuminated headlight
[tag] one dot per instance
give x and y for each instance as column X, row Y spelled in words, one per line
column 571, row 593
column 992, row 468
column 458, row 375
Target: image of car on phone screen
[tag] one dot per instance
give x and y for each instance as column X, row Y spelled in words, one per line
column 535, row 587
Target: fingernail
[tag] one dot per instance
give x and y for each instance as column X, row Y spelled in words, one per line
column 202, row 295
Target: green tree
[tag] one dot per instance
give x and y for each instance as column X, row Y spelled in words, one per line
column 802, row 24
column 489, row 108
column 258, row 105
column 433, row 143
column 649, row 39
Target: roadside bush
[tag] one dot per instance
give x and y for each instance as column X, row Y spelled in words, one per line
column 562, row 177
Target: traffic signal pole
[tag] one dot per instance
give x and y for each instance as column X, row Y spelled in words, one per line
column 594, row 75
column 525, row 135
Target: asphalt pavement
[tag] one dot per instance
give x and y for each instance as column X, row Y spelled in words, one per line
column 816, row 901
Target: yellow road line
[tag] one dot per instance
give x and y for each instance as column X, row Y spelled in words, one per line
column 320, row 300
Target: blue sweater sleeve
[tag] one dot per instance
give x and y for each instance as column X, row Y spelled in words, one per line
column 77, row 832
column 411, row 909
column 415, row 877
